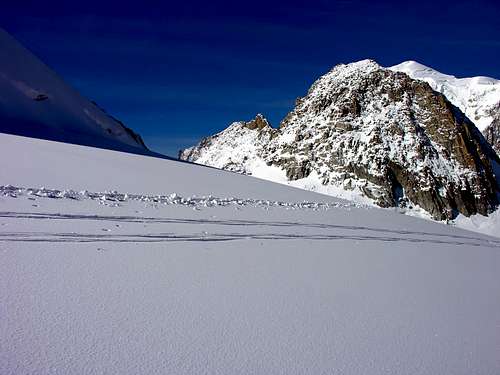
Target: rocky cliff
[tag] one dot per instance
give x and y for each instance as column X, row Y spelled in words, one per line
column 375, row 132
column 492, row 132
column 478, row 97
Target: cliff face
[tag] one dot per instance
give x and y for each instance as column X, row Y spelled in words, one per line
column 492, row 132
column 373, row 131
column 475, row 96
column 478, row 97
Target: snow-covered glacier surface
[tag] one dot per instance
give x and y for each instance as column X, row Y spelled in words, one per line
column 124, row 264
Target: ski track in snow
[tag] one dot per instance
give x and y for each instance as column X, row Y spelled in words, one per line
column 262, row 230
column 215, row 237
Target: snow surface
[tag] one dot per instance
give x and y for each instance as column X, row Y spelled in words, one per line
column 35, row 101
column 100, row 275
column 475, row 96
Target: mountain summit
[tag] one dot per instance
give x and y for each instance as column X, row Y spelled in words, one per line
column 373, row 133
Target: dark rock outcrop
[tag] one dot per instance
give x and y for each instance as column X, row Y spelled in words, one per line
column 492, row 132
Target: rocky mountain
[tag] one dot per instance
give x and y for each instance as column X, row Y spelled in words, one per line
column 236, row 148
column 369, row 133
column 492, row 132
column 478, row 97
column 36, row 102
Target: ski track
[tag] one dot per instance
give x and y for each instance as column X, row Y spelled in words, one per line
column 214, row 237
column 261, row 230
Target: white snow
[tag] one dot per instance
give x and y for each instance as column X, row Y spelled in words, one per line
column 98, row 274
column 489, row 225
column 475, row 96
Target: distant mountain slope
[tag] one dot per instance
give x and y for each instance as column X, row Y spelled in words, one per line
column 478, row 97
column 366, row 131
column 36, row 102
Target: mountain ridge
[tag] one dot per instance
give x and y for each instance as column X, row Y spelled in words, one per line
column 478, row 97
column 372, row 131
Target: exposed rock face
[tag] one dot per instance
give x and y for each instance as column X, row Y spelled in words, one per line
column 259, row 123
column 492, row 132
column 376, row 132
column 475, row 96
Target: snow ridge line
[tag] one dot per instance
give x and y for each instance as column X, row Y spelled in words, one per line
column 115, row 198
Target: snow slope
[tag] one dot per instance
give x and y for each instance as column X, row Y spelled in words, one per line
column 35, row 102
column 156, row 283
column 475, row 96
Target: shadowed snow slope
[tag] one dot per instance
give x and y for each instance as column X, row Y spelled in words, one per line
column 146, row 281
column 36, row 102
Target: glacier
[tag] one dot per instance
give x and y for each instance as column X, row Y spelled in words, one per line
column 100, row 275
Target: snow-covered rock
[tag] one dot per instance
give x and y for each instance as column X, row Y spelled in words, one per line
column 243, row 140
column 374, row 132
column 492, row 132
column 36, row 102
column 478, row 97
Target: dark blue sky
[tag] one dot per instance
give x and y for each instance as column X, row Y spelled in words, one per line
column 176, row 71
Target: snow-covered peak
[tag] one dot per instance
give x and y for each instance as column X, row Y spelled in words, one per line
column 342, row 72
column 366, row 132
column 234, row 148
column 36, row 102
column 364, row 66
column 416, row 70
column 475, row 96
